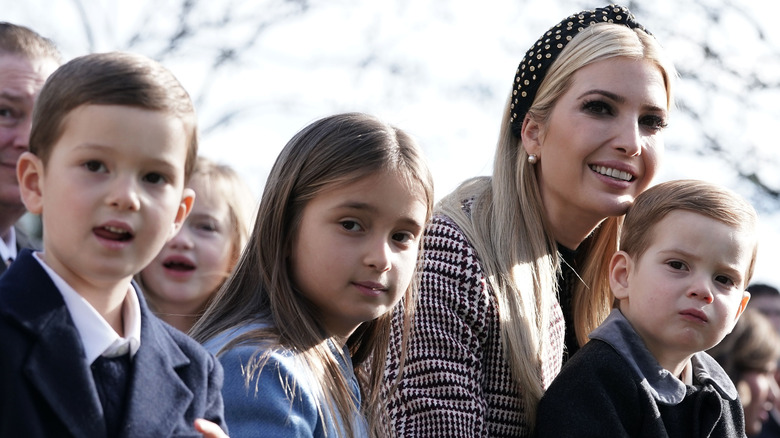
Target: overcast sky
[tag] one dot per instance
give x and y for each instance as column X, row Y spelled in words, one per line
column 440, row 69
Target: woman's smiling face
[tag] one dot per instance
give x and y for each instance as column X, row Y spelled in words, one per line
column 601, row 145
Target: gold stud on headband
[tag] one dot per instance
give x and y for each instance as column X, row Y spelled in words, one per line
column 541, row 55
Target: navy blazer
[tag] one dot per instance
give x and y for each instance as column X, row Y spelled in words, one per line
column 46, row 386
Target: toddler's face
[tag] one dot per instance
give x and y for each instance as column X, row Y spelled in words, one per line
column 193, row 264
column 111, row 193
column 685, row 293
column 356, row 249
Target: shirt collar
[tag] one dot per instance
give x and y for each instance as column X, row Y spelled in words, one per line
column 98, row 337
column 665, row 387
column 8, row 247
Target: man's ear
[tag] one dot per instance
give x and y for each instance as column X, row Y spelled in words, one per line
column 185, row 207
column 620, row 267
column 531, row 135
column 29, row 172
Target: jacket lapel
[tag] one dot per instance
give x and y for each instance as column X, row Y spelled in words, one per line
column 56, row 365
column 158, row 397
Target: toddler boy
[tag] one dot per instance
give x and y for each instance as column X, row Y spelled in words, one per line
column 688, row 249
column 113, row 142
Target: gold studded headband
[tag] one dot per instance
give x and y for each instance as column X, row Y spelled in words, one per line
column 540, row 56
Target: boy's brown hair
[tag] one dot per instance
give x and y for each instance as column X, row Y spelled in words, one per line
column 24, row 42
column 707, row 199
column 114, row 78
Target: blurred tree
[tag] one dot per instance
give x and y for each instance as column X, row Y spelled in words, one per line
column 442, row 66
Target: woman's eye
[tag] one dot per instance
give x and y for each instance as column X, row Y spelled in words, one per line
column 351, row 226
column 94, row 166
column 655, row 123
column 597, row 107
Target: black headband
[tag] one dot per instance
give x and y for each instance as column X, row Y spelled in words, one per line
column 533, row 68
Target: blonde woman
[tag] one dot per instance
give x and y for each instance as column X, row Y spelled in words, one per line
column 515, row 270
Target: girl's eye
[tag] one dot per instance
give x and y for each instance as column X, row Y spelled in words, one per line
column 676, row 265
column 403, row 237
column 656, row 123
column 154, row 178
column 94, row 166
column 597, row 107
column 351, row 226
column 206, row 226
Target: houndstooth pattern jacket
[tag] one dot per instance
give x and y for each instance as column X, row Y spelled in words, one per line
column 456, row 382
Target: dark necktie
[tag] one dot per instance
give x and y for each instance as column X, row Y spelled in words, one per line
column 112, row 378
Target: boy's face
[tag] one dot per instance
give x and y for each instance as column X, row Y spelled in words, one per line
column 111, row 194
column 685, row 293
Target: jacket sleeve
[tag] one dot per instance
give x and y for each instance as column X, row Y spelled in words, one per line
column 214, row 404
column 264, row 406
column 595, row 395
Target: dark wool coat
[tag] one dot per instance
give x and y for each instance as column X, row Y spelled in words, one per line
column 613, row 387
column 47, row 388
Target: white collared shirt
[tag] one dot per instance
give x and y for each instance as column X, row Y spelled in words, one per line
column 98, row 337
column 8, row 247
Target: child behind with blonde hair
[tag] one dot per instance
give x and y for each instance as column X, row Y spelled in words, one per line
column 185, row 275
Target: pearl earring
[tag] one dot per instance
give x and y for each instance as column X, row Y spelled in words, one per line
column 532, row 159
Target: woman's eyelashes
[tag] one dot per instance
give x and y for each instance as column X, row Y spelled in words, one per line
column 597, row 107
column 654, row 122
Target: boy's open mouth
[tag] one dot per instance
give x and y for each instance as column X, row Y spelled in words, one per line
column 113, row 233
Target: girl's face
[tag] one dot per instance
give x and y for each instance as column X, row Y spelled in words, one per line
column 758, row 391
column 600, row 146
column 356, row 249
column 195, row 262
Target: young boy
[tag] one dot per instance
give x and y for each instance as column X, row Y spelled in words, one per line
column 687, row 253
column 113, row 142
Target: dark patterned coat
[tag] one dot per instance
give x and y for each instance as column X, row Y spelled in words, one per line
column 456, row 382
column 613, row 387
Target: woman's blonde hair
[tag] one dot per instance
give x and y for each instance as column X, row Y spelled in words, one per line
column 508, row 228
column 329, row 153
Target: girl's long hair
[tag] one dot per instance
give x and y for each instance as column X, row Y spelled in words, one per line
column 329, row 153
column 508, row 228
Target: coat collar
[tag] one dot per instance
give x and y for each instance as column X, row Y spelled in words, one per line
column 666, row 388
column 57, row 355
